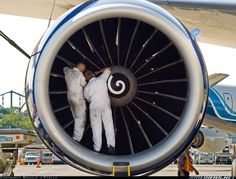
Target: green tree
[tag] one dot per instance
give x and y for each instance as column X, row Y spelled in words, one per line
column 15, row 119
column 4, row 111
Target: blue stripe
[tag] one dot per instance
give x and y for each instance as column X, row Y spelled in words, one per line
column 219, row 106
column 210, row 111
column 68, row 17
column 225, row 104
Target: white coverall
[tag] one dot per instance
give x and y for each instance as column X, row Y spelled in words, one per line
column 96, row 93
column 75, row 82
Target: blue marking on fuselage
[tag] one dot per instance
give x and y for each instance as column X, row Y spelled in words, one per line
column 217, row 106
column 224, row 103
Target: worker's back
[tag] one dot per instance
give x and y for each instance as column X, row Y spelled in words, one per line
column 97, row 92
column 74, row 80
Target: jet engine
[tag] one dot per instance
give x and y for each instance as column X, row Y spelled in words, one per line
column 210, row 140
column 158, row 86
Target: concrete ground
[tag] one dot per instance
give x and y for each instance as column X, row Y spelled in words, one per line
column 66, row 170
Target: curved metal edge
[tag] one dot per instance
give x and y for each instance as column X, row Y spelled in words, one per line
column 41, row 130
column 198, row 145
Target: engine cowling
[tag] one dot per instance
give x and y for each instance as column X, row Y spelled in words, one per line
column 158, row 87
column 211, row 140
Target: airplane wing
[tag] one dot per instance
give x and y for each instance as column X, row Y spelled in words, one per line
column 37, row 8
column 216, row 78
column 215, row 18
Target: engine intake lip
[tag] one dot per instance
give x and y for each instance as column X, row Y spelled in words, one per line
column 51, row 131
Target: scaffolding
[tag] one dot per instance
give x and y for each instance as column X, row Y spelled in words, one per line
column 11, row 93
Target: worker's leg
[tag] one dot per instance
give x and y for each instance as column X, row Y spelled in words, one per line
column 179, row 173
column 186, row 173
column 72, row 107
column 96, row 125
column 80, row 121
column 109, row 127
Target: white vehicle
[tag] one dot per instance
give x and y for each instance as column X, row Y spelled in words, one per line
column 31, row 157
column 223, row 158
column 47, row 157
column 56, row 160
column 204, row 158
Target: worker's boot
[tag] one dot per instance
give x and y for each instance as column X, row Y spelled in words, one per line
column 78, row 141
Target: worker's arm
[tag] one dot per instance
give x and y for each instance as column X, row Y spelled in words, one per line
column 195, row 171
column 102, row 70
column 82, row 81
column 86, row 94
column 98, row 72
column 106, row 73
column 65, row 69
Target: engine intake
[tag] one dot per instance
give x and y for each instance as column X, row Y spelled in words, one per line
column 158, row 86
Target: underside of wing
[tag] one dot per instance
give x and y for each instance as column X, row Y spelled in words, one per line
column 37, row 8
column 215, row 19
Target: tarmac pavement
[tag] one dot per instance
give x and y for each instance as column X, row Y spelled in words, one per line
column 66, row 170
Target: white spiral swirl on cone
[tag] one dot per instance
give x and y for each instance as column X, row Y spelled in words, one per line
column 118, row 83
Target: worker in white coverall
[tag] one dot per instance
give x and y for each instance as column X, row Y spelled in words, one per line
column 75, row 82
column 96, row 93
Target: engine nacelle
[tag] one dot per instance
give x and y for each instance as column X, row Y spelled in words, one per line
column 158, row 88
column 210, row 140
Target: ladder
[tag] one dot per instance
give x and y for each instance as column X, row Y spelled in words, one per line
column 118, row 169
